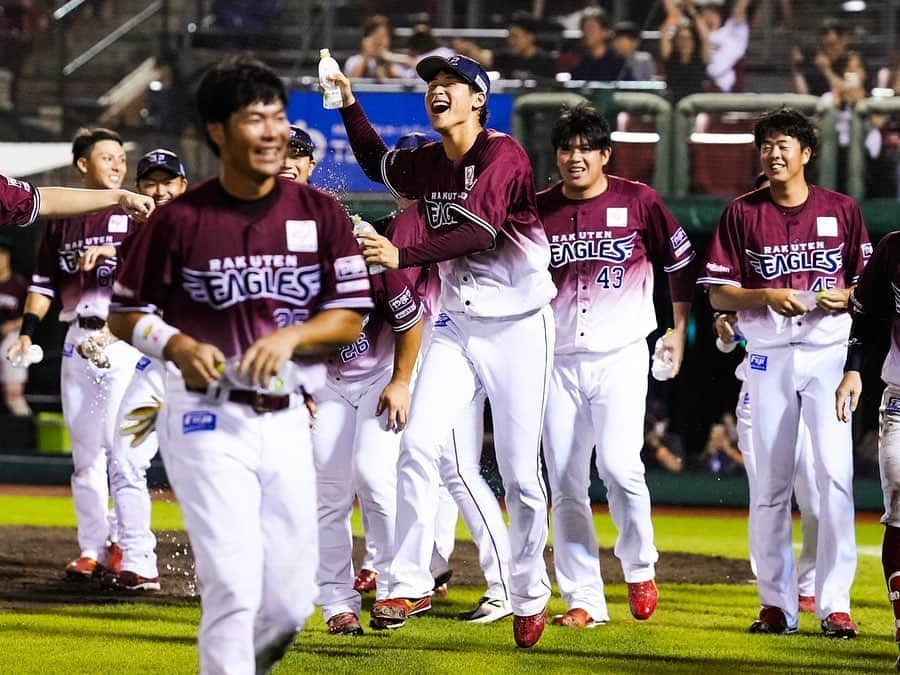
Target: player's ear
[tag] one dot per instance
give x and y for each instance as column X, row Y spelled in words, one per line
column 605, row 156
column 82, row 165
column 806, row 155
column 216, row 132
column 478, row 100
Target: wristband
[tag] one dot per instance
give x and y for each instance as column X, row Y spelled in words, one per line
column 151, row 334
column 855, row 356
column 30, row 323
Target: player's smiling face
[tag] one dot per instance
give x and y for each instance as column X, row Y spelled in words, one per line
column 581, row 168
column 162, row 186
column 298, row 168
column 105, row 166
column 450, row 100
column 783, row 158
column 253, row 141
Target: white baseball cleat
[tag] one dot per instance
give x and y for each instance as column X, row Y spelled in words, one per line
column 488, row 611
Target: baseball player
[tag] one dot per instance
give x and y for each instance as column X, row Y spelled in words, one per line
column 784, row 258
column 21, row 202
column 805, row 491
column 300, row 161
column 77, row 261
column 496, row 332
column 160, row 175
column 605, row 234
column 249, row 272
column 13, row 290
column 875, row 304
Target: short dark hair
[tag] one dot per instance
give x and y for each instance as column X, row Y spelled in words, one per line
column 585, row 121
column 832, row 25
column 375, row 22
column 232, row 84
column 85, row 139
column 524, row 20
column 596, row 14
column 483, row 111
column 788, row 122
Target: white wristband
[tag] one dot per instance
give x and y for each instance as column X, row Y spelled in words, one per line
column 151, row 334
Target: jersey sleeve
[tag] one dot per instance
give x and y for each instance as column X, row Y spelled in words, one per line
column 145, row 275
column 403, row 171
column 402, row 305
column 20, row 202
column 859, row 248
column 723, row 261
column 669, row 245
column 345, row 278
column 874, row 294
column 45, row 275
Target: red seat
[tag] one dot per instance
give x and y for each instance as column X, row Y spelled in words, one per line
column 721, row 169
column 634, row 161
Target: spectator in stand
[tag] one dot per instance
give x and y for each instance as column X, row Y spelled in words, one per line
column 20, row 23
column 13, row 290
column 376, row 60
column 247, row 15
column 721, row 455
column 827, row 70
column 728, row 42
column 600, row 61
column 684, row 50
column 423, row 44
column 522, row 58
column 639, row 65
column 662, row 447
column 845, row 93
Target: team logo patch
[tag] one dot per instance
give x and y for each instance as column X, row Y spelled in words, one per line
column 759, row 362
column 143, row 363
column 866, row 250
column 221, row 289
column 893, row 405
column 68, row 349
column 469, row 172
column 826, row 226
column 198, row 420
column 617, row 216
column 607, row 250
column 302, row 236
column 442, row 320
column 117, row 224
column 778, row 263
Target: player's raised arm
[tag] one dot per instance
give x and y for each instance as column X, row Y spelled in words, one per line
column 367, row 146
column 59, row 202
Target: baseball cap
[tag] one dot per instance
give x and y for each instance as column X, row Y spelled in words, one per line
column 301, row 143
column 160, row 159
column 468, row 69
column 412, row 140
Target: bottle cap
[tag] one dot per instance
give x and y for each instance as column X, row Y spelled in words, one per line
column 324, row 53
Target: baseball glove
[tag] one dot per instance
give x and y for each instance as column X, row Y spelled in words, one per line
column 141, row 421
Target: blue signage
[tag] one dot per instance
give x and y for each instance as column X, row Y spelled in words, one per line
column 393, row 114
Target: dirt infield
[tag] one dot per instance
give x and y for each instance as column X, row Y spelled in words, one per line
column 32, row 561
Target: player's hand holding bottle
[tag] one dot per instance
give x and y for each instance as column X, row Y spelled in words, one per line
column 833, row 300
column 785, row 301
column 197, row 361
column 266, row 357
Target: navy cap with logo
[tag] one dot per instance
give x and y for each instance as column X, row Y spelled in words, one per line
column 160, row 159
column 468, row 69
column 412, row 140
column 300, row 143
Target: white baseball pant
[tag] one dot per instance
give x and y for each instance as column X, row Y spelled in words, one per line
column 460, row 471
column 889, row 454
column 128, row 473
column 444, row 532
column 598, row 400
column 805, row 492
column 354, row 454
column 511, row 360
column 10, row 374
column 90, row 402
column 246, row 486
column 786, row 384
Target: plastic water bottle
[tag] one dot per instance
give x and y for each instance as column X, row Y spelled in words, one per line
column 661, row 368
column 34, row 354
column 331, row 98
column 360, row 226
column 284, row 382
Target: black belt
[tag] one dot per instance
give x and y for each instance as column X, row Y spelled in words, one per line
column 91, row 322
column 259, row 401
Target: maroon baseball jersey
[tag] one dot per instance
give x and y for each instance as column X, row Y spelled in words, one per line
column 491, row 185
column 878, row 297
column 228, row 272
column 408, row 228
column 56, row 268
column 20, row 202
column 819, row 245
column 12, row 298
column 397, row 309
column 602, row 252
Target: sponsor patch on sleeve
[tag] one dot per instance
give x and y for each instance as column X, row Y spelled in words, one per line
column 678, row 238
column 866, row 250
column 893, row 405
column 197, row 420
column 759, row 362
column 401, row 300
column 826, row 226
column 21, row 184
column 716, row 267
column 117, row 223
column 302, row 236
column 350, row 267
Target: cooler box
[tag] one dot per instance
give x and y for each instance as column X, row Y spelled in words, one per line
column 52, row 436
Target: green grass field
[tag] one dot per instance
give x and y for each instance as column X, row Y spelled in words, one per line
column 696, row 628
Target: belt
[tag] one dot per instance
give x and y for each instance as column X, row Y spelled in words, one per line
column 259, row 401
column 91, row 322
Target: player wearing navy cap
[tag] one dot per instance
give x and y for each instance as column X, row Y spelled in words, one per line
column 300, row 160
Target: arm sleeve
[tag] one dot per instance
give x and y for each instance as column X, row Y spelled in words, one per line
column 461, row 240
column 723, row 261
column 146, row 275
column 345, row 278
column 669, row 245
column 45, row 276
column 403, row 307
column 20, row 202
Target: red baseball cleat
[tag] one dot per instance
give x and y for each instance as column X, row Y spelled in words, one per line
column 393, row 612
column 807, row 604
column 113, row 557
column 345, row 623
column 527, row 630
column 81, row 569
column 772, row 621
column 575, row 618
column 642, row 599
column 125, row 580
column 364, row 581
column 839, row 625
